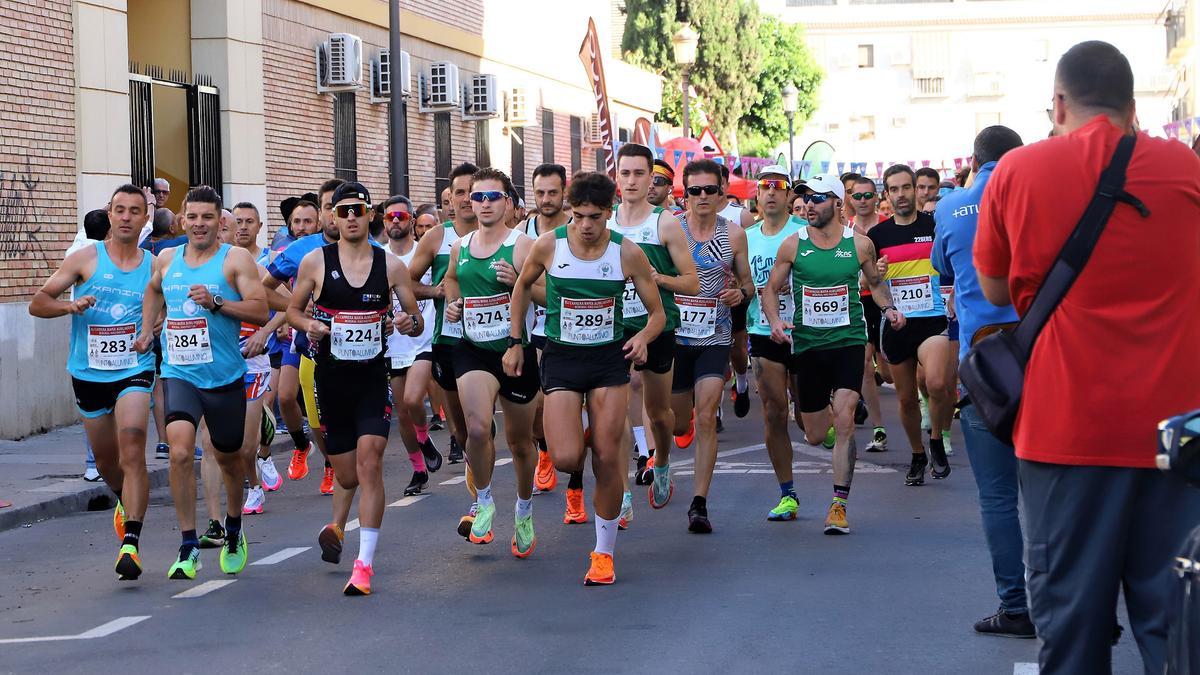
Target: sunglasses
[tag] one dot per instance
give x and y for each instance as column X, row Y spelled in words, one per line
column 772, row 184
column 347, row 210
column 815, row 199
column 402, row 216
column 488, row 196
column 863, row 195
column 661, row 181
column 697, row 190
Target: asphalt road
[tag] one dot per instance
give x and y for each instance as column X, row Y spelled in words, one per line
column 899, row 595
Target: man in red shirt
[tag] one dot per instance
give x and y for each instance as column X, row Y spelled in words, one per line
column 1118, row 355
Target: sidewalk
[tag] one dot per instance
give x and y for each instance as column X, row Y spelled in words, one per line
column 42, row 476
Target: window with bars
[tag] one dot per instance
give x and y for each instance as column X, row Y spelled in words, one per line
column 547, row 136
column 576, row 144
column 441, row 152
column 518, row 159
column 483, row 144
column 345, row 137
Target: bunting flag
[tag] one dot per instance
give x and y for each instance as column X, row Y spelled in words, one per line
column 841, row 168
column 661, row 153
column 878, row 168
column 924, row 163
column 718, row 159
column 590, row 54
column 824, row 167
column 958, row 163
column 678, row 156
column 690, row 155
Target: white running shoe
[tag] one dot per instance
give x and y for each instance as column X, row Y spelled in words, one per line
column 270, row 478
column 91, row 475
column 255, row 501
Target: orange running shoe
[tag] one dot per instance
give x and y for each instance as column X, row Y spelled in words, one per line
column 576, row 512
column 298, row 467
column 327, row 481
column 119, row 521
column 546, row 477
column 601, row 572
column 686, row 439
column 360, row 580
column 330, row 541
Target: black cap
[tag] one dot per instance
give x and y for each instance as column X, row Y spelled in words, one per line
column 96, row 225
column 351, row 191
column 288, row 205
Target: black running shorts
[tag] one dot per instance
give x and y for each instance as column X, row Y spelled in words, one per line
column 96, row 399
column 763, row 347
column 353, row 400
column 898, row 346
column 582, row 369
column 821, row 372
column 695, row 363
column 660, row 353
column 443, row 367
column 521, row 389
column 222, row 408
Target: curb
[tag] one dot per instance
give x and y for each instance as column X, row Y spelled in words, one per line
column 78, row 501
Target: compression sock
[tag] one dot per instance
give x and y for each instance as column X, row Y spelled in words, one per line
column 298, row 438
column 328, row 465
column 741, row 382
column 422, row 432
column 700, row 503
column 606, row 535
column 367, row 537
column 483, row 495
column 788, row 488
column 118, row 494
column 418, row 460
column 133, row 532
column 190, row 539
column 524, row 507
column 639, row 440
column 840, row 494
column 575, row 482
column 233, row 527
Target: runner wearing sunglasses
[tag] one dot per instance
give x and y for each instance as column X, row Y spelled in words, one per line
column 662, row 184
column 705, row 333
column 864, row 202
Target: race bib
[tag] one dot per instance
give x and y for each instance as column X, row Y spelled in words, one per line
column 587, row 322
column 697, row 317
column 454, row 330
column 631, row 302
column 487, row 319
column 826, row 307
column 111, row 347
column 356, row 336
column 187, row 341
column 912, row 294
column 403, row 361
column 946, row 291
column 787, row 308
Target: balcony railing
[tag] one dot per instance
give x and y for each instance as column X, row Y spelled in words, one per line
column 928, row 87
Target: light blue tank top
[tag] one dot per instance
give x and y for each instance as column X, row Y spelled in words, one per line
column 102, row 337
column 762, row 250
column 198, row 346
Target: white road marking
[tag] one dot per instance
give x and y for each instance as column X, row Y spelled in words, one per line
column 98, row 632
column 408, row 501
column 454, row 481
column 280, row 556
column 504, row 460
column 1025, row 669
column 203, row 589
column 350, row 526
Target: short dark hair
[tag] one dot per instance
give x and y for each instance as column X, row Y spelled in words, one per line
column 927, row 172
column 489, row 173
column 697, row 166
column 248, row 205
column 424, row 209
column 549, row 169
column 850, row 177
column 863, row 179
column 724, row 172
column 993, row 142
column 589, row 187
column 163, row 220
column 329, row 186
column 396, row 199
column 203, row 194
column 899, row 168
column 464, row 169
column 1095, row 74
column 96, row 224
column 130, row 189
column 637, row 150
column 302, row 203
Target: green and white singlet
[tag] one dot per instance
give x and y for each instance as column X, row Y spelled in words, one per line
column 584, row 297
column 647, row 236
column 450, row 333
column 487, row 302
column 825, row 292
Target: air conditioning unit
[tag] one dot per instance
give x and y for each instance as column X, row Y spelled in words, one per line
column 439, row 88
column 339, row 63
column 480, row 101
column 519, row 113
column 592, row 135
column 381, row 76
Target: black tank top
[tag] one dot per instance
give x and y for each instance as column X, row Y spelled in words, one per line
column 359, row 310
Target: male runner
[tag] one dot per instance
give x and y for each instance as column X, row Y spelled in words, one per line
column 904, row 243
column 770, row 359
column 483, row 266
column 112, row 382
column 661, row 238
column 410, row 360
column 208, row 289
column 705, row 331
column 821, row 264
column 662, row 183
column 863, row 201
column 351, row 285
column 587, row 345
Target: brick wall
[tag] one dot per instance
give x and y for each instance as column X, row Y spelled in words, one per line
column 466, row 14
column 37, row 142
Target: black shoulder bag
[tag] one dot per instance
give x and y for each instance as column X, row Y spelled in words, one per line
column 994, row 370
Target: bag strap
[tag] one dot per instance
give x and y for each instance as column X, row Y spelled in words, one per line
column 1079, row 246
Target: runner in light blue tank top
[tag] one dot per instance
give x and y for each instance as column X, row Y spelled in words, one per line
column 199, row 346
column 102, row 337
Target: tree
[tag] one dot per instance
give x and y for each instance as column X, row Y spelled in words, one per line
column 786, row 59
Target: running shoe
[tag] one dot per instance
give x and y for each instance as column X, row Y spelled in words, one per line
column 576, row 512
column 433, row 458
column 546, row 478
column 720, row 421
column 187, row 565
column 255, row 501
column 601, row 572
column 268, row 475
column 327, row 481
column 119, row 521
column 419, row 479
column 835, row 521
column 830, row 439
column 298, row 467
column 916, row 470
column 281, row 427
column 688, row 436
column 1003, row 624
column 860, row 413
column 481, row 528
column 878, row 441
column 661, row 489
column 698, row 520
column 524, row 540
column 785, row 510
column 939, row 466
column 946, row 443
column 330, row 541
column 626, row 516
column 643, row 475
column 214, row 536
column 162, row 451
column 360, row 580
column 435, row 423
column 465, row 523
column 456, row 452
column 234, row 554
column 91, row 475
column 926, row 425
column 129, row 564
column 741, row 401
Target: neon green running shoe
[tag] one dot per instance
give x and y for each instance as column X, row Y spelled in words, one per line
column 830, row 439
column 524, row 540
column 188, row 564
column 481, row 529
column 234, row 554
column 946, row 443
column 786, row 510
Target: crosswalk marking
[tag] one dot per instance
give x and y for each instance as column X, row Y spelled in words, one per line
column 203, row 589
column 280, row 556
column 103, row 630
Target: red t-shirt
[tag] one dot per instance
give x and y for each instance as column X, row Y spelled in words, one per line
column 1122, row 351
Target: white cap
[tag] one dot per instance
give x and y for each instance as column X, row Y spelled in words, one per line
column 773, row 170
column 825, row 182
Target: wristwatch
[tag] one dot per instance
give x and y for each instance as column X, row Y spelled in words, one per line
column 511, row 342
column 218, row 303
column 416, row 329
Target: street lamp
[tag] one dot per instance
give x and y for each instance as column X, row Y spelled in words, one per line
column 790, row 94
column 684, row 44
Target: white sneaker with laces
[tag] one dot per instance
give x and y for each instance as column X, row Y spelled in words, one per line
column 91, row 475
column 268, row 475
column 255, row 501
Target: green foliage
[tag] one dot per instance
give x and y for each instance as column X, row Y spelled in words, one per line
column 786, row 59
